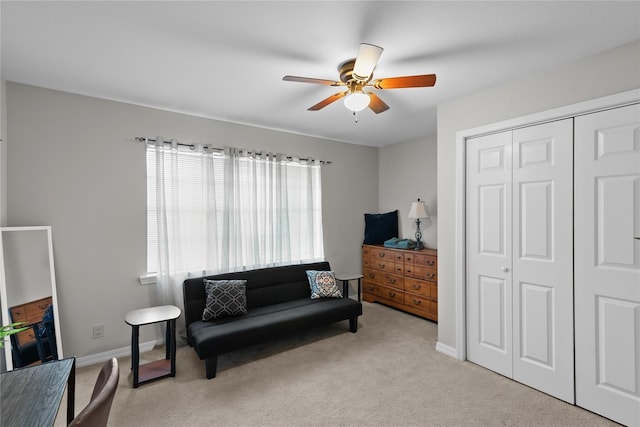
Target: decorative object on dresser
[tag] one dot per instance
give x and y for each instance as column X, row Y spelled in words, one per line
column 380, row 227
column 418, row 211
column 405, row 279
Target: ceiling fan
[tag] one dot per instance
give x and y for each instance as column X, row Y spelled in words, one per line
column 357, row 75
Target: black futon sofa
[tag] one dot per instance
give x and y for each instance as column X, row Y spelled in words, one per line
column 278, row 303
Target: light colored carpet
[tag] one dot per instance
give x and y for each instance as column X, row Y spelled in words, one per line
column 387, row 374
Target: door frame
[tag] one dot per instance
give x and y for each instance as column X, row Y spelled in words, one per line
column 569, row 111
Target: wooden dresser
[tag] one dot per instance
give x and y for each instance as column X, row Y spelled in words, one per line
column 29, row 312
column 405, row 279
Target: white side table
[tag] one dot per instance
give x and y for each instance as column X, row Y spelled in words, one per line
column 160, row 368
column 345, row 278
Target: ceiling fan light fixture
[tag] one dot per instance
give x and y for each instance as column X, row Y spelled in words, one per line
column 356, row 101
column 366, row 61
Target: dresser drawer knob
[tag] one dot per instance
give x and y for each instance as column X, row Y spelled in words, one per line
column 392, row 280
column 372, row 275
column 431, row 275
column 381, row 265
column 416, row 302
column 392, row 294
column 416, row 286
column 371, row 288
column 381, row 254
column 408, row 270
column 431, row 262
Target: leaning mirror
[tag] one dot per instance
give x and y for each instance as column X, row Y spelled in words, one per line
column 28, row 294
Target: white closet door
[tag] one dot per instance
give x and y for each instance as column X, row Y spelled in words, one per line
column 519, row 255
column 543, row 258
column 607, row 261
column 489, row 320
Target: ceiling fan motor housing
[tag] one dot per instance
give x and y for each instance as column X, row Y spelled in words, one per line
column 346, row 73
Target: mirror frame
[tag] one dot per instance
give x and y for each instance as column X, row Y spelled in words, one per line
column 4, row 304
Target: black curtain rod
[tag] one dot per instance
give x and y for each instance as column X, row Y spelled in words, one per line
column 193, row 146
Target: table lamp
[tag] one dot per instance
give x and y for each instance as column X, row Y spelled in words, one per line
column 418, row 211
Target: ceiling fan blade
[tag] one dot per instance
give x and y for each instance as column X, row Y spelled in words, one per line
column 366, row 61
column 327, row 101
column 376, row 104
column 312, row 80
column 406, row 81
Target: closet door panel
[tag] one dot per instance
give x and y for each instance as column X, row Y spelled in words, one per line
column 489, row 322
column 607, row 258
column 542, row 258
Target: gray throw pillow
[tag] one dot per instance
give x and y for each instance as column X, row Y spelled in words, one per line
column 225, row 298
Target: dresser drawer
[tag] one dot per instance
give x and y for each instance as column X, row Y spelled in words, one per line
column 399, row 268
column 419, row 287
column 381, row 254
column 371, row 275
column 385, row 292
column 26, row 336
column 424, row 260
column 366, row 251
column 421, row 303
column 383, row 264
column 392, row 280
column 37, row 307
column 425, row 273
column 18, row 313
column 409, row 271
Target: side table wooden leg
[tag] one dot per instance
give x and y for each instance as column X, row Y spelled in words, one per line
column 135, row 354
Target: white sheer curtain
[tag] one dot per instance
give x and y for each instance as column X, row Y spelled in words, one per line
column 211, row 212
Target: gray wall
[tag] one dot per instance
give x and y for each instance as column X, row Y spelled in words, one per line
column 3, row 153
column 71, row 165
column 408, row 171
column 611, row 72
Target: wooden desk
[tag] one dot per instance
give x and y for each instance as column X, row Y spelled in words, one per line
column 159, row 368
column 31, row 396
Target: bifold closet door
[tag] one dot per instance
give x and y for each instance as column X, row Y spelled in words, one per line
column 607, row 263
column 519, row 255
column 488, row 230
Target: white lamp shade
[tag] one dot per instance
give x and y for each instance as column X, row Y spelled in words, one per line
column 356, row 101
column 366, row 61
column 418, row 210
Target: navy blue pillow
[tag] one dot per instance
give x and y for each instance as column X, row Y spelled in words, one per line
column 380, row 227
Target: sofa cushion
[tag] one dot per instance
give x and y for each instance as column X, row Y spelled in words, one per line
column 268, row 322
column 323, row 284
column 225, row 298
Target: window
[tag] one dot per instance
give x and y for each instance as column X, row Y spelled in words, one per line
column 229, row 211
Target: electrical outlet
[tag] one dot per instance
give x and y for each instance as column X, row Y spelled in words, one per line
column 98, row 330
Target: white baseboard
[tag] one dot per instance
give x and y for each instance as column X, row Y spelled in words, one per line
column 449, row 351
column 119, row 352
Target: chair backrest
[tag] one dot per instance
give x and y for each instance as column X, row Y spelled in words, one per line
column 96, row 413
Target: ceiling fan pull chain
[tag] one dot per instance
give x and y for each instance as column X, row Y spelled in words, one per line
column 355, row 116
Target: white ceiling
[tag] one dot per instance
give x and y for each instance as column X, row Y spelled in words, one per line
column 226, row 60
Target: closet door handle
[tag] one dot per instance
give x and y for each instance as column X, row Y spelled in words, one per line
column 505, row 269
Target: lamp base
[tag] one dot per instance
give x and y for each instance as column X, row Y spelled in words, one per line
column 419, row 244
